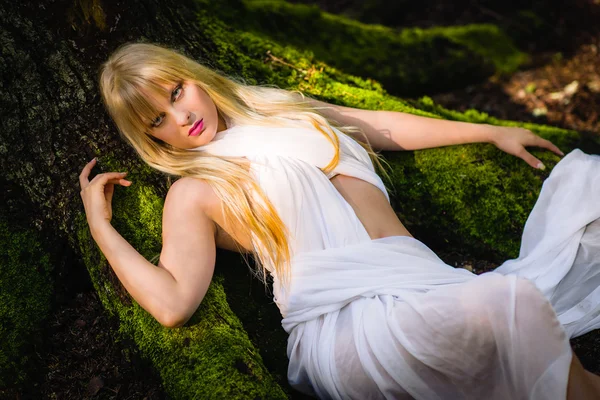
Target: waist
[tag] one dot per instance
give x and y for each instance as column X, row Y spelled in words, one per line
column 325, row 280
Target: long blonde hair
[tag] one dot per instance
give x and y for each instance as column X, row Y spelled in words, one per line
column 137, row 70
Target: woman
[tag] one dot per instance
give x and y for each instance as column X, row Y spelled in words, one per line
column 371, row 312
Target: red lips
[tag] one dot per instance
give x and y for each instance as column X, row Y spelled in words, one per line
column 196, row 128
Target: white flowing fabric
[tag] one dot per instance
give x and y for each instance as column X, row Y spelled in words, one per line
column 386, row 318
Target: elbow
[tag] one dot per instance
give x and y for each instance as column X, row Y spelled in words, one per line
column 173, row 320
column 178, row 314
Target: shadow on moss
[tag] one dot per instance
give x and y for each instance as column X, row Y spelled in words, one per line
column 26, row 299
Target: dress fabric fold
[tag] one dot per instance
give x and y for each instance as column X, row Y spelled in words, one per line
column 387, row 318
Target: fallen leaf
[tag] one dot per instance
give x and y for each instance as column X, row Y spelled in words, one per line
column 530, row 88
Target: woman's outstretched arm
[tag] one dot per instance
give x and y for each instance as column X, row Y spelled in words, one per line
column 394, row 130
column 172, row 291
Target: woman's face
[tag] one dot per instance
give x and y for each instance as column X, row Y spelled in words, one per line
column 188, row 119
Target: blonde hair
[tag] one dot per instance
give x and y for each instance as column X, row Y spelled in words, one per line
column 137, row 70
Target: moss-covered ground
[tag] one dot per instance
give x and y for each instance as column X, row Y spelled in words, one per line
column 407, row 62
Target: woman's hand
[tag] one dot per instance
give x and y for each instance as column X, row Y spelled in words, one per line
column 97, row 194
column 513, row 140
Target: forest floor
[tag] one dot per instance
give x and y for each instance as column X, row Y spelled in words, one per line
column 82, row 358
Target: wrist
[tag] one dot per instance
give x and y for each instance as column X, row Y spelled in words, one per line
column 99, row 228
column 489, row 133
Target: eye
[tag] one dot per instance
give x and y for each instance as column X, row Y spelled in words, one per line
column 176, row 93
column 158, row 120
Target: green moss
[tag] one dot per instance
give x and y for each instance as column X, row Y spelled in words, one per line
column 407, row 62
column 253, row 303
column 488, row 41
column 25, row 300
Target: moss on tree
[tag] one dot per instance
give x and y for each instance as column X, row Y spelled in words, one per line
column 26, row 290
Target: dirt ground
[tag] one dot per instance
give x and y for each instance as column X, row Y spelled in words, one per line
column 83, row 360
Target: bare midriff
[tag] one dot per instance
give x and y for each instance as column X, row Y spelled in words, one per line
column 368, row 202
column 370, row 206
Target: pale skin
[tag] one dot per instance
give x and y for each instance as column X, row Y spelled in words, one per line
column 193, row 225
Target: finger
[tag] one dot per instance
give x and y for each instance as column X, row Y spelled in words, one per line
column 105, row 177
column 85, row 173
column 122, row 182
column 546, row 144
column 109, row 189
column 531, row 160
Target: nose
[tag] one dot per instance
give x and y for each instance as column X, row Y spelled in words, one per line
column 182, row 117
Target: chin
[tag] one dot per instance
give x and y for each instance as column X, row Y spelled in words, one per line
column 201, row 140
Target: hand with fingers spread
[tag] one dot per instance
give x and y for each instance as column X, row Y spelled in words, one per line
column 513, row 140
column 97, row 194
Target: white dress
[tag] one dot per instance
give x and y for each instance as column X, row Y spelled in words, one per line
column 386, row 318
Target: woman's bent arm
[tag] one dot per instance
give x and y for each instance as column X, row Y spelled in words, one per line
column 172, row 291
column 153, row 288
column 189, row 248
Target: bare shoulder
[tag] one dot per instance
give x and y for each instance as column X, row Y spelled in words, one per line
column 191, row 199
column 191, row 192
